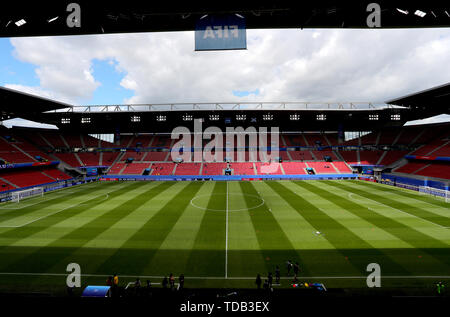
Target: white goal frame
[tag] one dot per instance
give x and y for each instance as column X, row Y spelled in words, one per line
column 435, row 192
column 19, row 195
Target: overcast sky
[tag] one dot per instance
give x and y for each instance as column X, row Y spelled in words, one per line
column 279, row 65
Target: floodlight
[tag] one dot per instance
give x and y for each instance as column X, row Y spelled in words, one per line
column 420, row 13
column 402, row 11
column 52, row 19
column 20, row 22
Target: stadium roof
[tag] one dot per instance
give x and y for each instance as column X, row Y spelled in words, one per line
column 15, row 104
column 435, row 100
column 39, row 18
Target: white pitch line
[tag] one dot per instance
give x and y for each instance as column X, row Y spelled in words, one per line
column 54, row 213
column 234, row 278
column 407, row 213
column 226, row 237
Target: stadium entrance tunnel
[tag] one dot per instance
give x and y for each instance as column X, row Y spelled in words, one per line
column 227, row 202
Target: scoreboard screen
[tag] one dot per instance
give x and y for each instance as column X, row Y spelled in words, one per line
column 91, row 171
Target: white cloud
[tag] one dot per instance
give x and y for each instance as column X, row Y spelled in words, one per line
column 284, row 65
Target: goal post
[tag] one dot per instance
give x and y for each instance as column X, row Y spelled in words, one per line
column 17, row 196
column 435, row 192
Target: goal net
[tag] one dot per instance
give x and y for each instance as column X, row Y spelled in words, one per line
column 26, row 193
column 435, row 192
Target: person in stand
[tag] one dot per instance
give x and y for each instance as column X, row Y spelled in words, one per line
column 115, row 280
column 258, row 281
column 181, row 280
column 296, row 268
column 165, row 282
column 270, row 279
column 288, row 266
column 109, row 281
column 171, row 281
column 277, row 275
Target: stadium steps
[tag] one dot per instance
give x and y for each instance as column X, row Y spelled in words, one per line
column 381, row 157
column 8, row 182
column 83, row 144
column 439, row 147
column 66, row 143
column 117, row 160
column 339, row 156
column 397, row 137
column 282, row 169
column 174, row 169
column 335, row 168
column 326, row 139
column 45, row 140
column 305, row 139
column 358, row 157
column 418, row 136
column 201, row 169
column 78, row 159
column 22, row 151
column 48, row 175
column 377, row 139
column 100, row 159
column 255, row 170
column 313, row 156
column 167, row 156
column 283, row 141
column 289, row 156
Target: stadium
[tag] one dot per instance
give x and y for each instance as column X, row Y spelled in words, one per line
column 339, row 186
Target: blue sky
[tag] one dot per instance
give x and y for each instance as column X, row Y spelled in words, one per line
column 279, row 65
column 12, row 70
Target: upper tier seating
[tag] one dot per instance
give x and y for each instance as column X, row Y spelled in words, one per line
column 301, row 155
column 89, row 159
column 370, row 157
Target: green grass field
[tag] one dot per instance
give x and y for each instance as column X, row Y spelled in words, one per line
column 221, row 234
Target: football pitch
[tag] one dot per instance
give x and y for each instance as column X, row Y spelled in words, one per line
column 222, row 234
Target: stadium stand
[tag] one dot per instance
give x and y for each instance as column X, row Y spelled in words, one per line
column 322, row 167
column 135, row 168
column 26, row 178
column 259, row 169
column 188, row 169
column 370, row 157
column 162, row 168
column 301, row 155
column 242, row 168
column 89, row 159
column 342, row 167
column 116, row 169
column 56, row 174
column 294, row 168
column 213, row 168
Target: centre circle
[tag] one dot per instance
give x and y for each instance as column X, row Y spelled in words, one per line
column 202, row 201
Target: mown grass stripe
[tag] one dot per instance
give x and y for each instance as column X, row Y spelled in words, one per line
column 419, row 240
column 344, row 241
column 11, row 236
column 208, row 251
column 361, row 212
column 48, row 202
column 271, row 236
column 42, row 258
column 137, row 252
column 400, row 192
